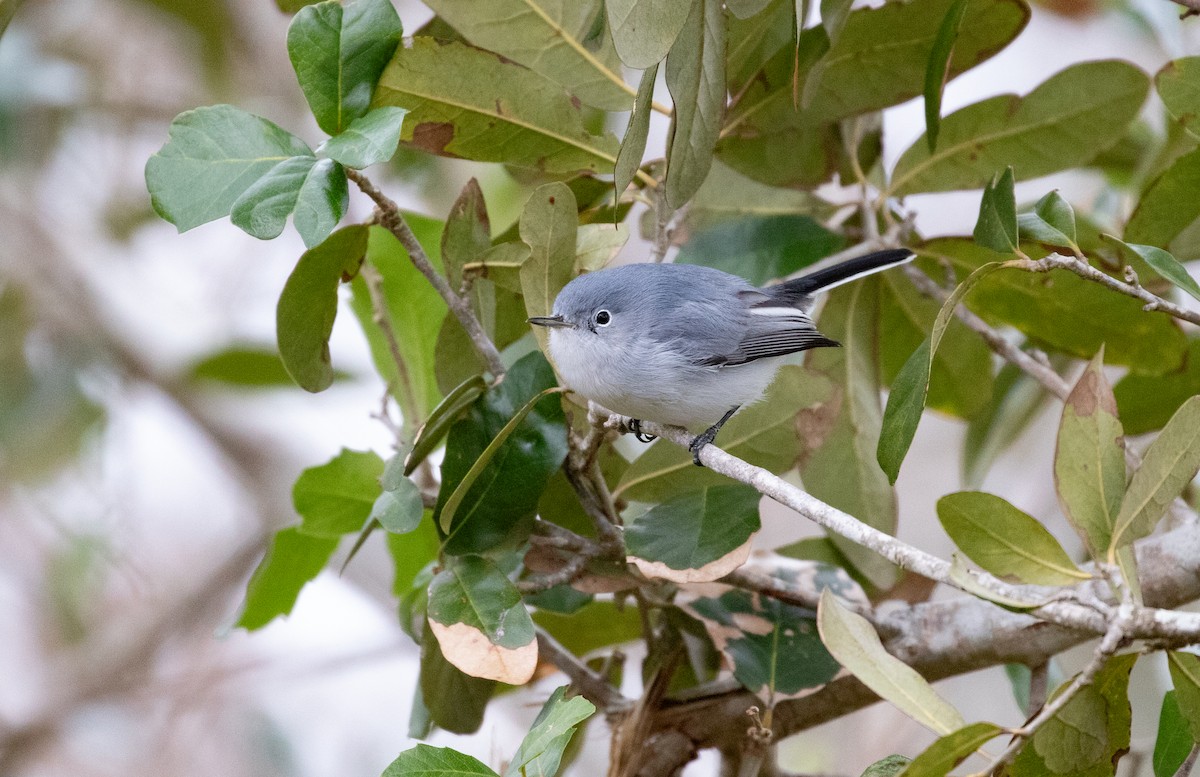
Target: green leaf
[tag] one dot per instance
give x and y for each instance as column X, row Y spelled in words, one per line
column 968, row 580
column 308, row 306
column 480, row 622
column 596, row 625
column 834, row 14
column 1147, row 402
column 597, row 244
column 1063, row 123
column 753, row 40
column 321, row 202
column 888, row 766
column 507, row 492
column 1168, row 466
column 567, row 43
column 450, row 508
column 879, row 60
column 415, row 310
column 398, row 509
column 727, row 195
column 335, row 498
column 429, row 761
column 1077, row 737
column 1048, row 307
column 761, row 249
column 247, row 366
column 368, row 140
column 950, row 750
column 696, row 80
column 1167, row 211
column 263, row 208
column 212, row 156
column 549, row 226
column 1051, row 223
column 1089, row 460
column 633, row 146
column 960, row 382
column 763, row 434
column 293, row 559
column 1174, row 741
column 430, row 434
column 338, row 53
column 1071, row 738
column 906, row 402
column 468, row 233
column 695, row 537
column 1165, row 265
column 541, row 751
column 643, row 30
column 774, row 647
column 470, row 103
column 856, row 646
column 997, row 225
column 456, row 701
column 938, row 69
column 839, row 438
column 1004, row 540
column 1178, row 85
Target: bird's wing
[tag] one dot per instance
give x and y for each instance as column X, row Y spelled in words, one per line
column 771, row 330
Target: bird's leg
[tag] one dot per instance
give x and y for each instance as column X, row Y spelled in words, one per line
column 709, row 435
column 635, row 426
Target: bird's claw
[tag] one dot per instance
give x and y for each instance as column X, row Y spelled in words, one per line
column 697, row 444
column 635, row 426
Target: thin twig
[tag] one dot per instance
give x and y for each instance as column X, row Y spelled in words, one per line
column 1114, row 637
column 1036, row 369
column 1087, row 272
column 1060, row 606
column 392, row 219
column 1191, row 7
column 1185, row 768
column 379, row 314
column 593, row 687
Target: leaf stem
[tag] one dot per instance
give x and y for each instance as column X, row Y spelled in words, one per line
column 392, row 219
column 408, row 400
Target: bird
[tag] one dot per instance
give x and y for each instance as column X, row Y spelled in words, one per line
column 687, row 345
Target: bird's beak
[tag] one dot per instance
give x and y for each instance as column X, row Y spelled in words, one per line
column 551, row 321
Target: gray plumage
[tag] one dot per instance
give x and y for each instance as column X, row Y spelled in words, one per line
column 684, row 344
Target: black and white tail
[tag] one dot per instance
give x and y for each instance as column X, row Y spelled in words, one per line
column 849, row 270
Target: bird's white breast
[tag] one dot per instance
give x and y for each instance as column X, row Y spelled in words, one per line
column 655, row 383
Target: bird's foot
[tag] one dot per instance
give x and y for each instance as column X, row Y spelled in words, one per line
column 700, row 441
column 635, row 426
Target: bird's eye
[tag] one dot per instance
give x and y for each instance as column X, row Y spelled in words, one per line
column 603, row 318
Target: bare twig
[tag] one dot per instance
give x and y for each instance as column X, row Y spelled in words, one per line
column 1185, row 768
column 1035, row 368
column 379, row 314
column 392, row 219
column 1087, row 272
column 593, row 687
column 1114, row 637
column 1191, row 7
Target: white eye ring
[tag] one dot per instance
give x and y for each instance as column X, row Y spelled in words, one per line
column 603, row 318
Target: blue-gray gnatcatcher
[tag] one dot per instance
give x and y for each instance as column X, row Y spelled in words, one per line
column 686, row 345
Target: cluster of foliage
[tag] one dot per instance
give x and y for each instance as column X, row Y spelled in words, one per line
column 534, row 538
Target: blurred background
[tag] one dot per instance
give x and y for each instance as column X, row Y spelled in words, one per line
column 138, row 485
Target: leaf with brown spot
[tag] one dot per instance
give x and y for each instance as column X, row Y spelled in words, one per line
column 470, row 103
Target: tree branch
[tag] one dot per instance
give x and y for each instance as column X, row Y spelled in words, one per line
column 392, row 219
column 593, row 687
column 1087, row 272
